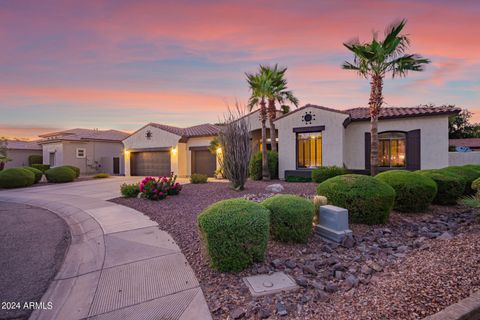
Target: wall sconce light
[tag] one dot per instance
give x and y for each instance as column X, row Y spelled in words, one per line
column 174, row 150
column 126, row 152
column 219, row 150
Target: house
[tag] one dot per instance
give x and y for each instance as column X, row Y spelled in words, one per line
column 471, row 143
column 18, row 152
column 158, row 149
column 91, row 150
column 308, row 137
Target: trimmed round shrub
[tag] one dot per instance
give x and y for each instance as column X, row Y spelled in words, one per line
column 60, row 174
column 35, row 159
column 16, row 178
column 475, row 167
column 255, row 165
column 449, row 187
column 468, row 175
column 324, row 173
column 235, row 233
column 75, row 169
column 38, row 174
column 41, row 167
column 290, row 217
column 413, row 192
column 368, row 200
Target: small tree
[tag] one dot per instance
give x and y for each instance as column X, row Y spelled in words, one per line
column 235, row 147
column 3, row 153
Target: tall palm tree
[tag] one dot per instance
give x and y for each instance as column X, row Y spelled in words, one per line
column 259, row 84
column 277, row 92
column 373, row 60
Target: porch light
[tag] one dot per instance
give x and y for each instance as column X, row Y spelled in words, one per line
column 219, row 150
column 126, row 152
column 174, row 150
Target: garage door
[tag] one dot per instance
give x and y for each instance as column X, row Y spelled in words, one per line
column 151, row 163
column 204, row 162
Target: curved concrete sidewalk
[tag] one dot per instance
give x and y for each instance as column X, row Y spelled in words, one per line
column 119, row 265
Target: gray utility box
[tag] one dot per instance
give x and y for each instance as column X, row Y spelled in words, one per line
column 333, row 223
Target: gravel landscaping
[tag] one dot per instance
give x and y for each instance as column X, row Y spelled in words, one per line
column 410, row 268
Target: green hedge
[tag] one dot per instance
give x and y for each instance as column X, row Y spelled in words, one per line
column 413, row 192
column 324, row 173
column 449, row 187
column 41, row 167
column 75, row 169
column 60, row 174
column 235, row 233
column 475, row 167
column 16, row 178
column 38, row 174
column 298, row 179
column 255, row 165
column 367, row 199
column 290, row 217
column 467, row 174
column 35, row 159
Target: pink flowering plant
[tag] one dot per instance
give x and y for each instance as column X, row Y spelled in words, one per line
column 158, row 188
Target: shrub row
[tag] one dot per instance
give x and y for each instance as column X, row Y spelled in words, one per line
column 16, row 178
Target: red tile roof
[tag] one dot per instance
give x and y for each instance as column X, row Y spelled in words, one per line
column 85, row 134
column 469, row 142
column 23, row 145
column 201, row 130
column 358, row 114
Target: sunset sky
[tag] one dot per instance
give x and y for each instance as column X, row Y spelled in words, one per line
column 122, row 64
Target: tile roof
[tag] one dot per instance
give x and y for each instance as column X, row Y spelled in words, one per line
column 85, row 134
column 358, row 114
column 201, row 130
column 468, row 142
column 23, row 145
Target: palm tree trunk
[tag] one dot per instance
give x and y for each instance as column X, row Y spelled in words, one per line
column 263, row 120
column 376, row 101
column 272, row 114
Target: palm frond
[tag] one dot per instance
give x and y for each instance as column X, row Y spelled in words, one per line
column 410, row 62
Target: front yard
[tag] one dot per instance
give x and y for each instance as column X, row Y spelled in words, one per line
column 414, row 266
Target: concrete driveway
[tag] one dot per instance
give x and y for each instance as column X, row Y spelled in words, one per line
column 119, row 265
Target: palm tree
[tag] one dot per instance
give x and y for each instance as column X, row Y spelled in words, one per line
column 373, row 60
column 277, row 92
column 259, row 89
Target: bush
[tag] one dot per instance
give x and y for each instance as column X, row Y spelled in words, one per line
column 16, row 178
column 75, row 169
column 38, row 174
column 367, row 199
column 130, row 190
column 101, row 176
column 290, row 217
column 298, row 179
column 198, row 178
column 449, row 187
column 476, row 185
column 35, row 159
column 255, row 165
column 324, row 173
column 413, row 192
column 60, row 174
column 235, row 233
column 475, row 167
column 468, row 175
column 41, row 167
column 173, row 187
column 154, row 189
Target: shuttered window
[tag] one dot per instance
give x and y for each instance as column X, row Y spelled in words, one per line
column 392, row 149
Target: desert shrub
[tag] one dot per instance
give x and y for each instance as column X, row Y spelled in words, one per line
column 130, row 190
column 38, row 174
column 255, row 165
column 290, row 217
column 154, row 189
column 41, row 167
column 413, row 192
column 449, row 187
column 368, row 200
column 60, row 174
column 298, row 179
column 75, row 169
column 324, row 173
column 101, row 176
column 173, row 187
column 16, row 178
column 198, row 178
column 468, row 175
column 35, row 159
column 235, row 233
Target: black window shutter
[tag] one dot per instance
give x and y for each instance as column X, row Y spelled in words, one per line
column 367, row 150
column 413, row 150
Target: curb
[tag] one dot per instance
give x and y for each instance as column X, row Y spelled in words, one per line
column 466, row 309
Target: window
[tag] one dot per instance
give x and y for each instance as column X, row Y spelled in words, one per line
column 391, row 149
column 81, row 152
column 309, row 149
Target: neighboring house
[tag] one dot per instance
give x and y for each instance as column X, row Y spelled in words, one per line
column 19, row 151
column 472, row 143
column 158, row 149
column 308, row 137
column 91, row 150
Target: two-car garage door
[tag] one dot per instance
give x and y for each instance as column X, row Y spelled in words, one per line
column 150, row 163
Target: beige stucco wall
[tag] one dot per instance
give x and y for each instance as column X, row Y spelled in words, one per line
column 332, row 137
column 57, row 148
column 462, row 158
column 196, row 142
column 433, row 140
column 19, row 157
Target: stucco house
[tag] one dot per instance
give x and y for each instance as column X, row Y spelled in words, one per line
column 91, row 150
column 308, row 137
column 18, row 152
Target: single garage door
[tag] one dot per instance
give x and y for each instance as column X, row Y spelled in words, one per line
column 204, row 162
column 151, row 163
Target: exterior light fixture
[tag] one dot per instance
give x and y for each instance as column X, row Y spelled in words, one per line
column 219, row 150
column 174, row 150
